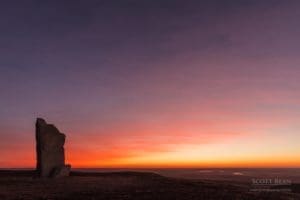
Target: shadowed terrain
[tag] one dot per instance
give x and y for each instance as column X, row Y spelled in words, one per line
column 126, row 185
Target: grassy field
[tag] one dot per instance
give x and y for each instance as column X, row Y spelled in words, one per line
column 127, row 185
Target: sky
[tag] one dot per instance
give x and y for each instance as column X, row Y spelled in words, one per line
column 173, row 83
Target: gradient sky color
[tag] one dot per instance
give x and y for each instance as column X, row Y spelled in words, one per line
column 152, row 83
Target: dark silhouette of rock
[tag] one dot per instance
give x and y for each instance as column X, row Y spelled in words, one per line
column 50, row 151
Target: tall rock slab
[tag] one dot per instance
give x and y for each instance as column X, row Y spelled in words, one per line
column 50, row 150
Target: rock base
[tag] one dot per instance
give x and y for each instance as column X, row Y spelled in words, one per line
column 62, row 171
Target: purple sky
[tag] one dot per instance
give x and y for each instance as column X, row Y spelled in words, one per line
column 130, row 71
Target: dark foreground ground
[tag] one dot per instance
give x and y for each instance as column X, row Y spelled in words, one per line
column 129, row 185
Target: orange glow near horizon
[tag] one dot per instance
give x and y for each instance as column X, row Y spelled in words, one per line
column 166, row 161
column 230, row 150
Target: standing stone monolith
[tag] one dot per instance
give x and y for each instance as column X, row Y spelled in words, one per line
column 50, row 151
